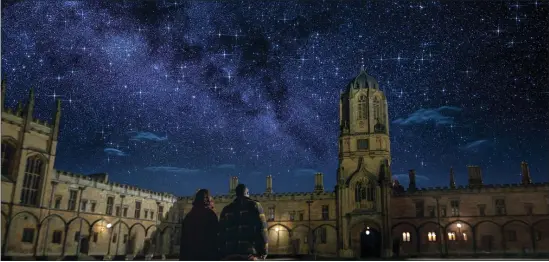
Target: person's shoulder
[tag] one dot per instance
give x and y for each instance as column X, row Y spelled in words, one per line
column 255, row 204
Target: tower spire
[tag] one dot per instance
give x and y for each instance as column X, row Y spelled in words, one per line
column 29, row 110
column 452, row 178
column 56, row 120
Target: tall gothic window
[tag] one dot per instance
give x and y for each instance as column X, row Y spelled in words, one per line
column 365, row 192
column 362, row 108
column 371, row 192
column 31, row 182
column 377, row 109
column 359, row 191
column 8, row 153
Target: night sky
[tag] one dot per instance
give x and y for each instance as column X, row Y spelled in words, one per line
column 174, row 96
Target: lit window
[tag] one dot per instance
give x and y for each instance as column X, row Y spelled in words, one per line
column 451, row 236
column 464, row 237
column 406, row 236
column 432, row 236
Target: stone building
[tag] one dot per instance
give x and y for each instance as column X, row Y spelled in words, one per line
column 48, row 212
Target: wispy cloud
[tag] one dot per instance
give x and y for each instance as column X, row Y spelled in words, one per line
column 171, row 169
column 139, row 135
column 114, row 152
column 226, row 166
column 304, row 172
column 425, row 115
column 473, row 146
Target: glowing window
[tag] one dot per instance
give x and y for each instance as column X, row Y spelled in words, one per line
column 406, row 236
column 451, row 236
column 464, row 237
column 432, row 236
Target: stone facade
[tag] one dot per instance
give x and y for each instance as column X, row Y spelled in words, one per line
column 48, row 212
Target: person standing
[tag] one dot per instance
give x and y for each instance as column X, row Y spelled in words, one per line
column 243, row 228
column 199, row 230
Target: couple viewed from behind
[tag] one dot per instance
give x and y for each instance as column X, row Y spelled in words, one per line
column 240, row 233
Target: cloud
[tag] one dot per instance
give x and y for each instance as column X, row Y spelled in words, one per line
column 405, row 178
column 171, row 169
column 425, row 115
column 114, row 152
column 305, row 172
column 473, row 146
column 226, row 166
column 138, row 135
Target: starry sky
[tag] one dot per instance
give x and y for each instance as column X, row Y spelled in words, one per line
column 174, row 96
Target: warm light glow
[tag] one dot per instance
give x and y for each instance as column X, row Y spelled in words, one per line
column 277, row 229
column 464, row 237
column 109, row 225
column 406, row 236
column 459, row 225
column 432, row 236
column 451, row 236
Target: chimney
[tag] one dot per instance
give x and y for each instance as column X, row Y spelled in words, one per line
column 475, row 176
column 525, row 173
column 319, row 183
column 269, row 189
column 412, row 176
column 233, row 184
column 452, row 178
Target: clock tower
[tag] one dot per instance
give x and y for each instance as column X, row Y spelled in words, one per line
column 363, row 177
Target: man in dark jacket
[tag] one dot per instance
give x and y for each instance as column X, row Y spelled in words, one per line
column 243, row 228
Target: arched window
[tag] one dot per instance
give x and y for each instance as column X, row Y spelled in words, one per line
column 371, row 192
column 8, row 154
column 31, row 183
column 362, row 107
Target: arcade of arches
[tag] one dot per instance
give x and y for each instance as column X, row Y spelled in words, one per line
column 482, row 237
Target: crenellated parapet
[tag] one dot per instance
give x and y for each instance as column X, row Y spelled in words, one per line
column 99, row 182
column 493, row 188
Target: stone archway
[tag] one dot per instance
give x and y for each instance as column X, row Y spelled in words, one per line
column 22, row 234
column 300, row 235
column 405, row 238
column 541, row 231
column 78, row 228
column 366, row 239
column 459, row 238
column 488, row 237
column 517, row 236
column 99, row 237
column 52, row 234
column 279, row 239
column 137, row 239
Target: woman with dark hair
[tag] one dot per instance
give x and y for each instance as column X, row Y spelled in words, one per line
column 199, row 230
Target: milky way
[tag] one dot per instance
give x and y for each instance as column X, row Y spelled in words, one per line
column 173, row 96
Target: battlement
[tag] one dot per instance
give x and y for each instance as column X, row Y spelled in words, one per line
column 492, row 188
column 99, row 181
column 41, row 126
column 273, row 197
